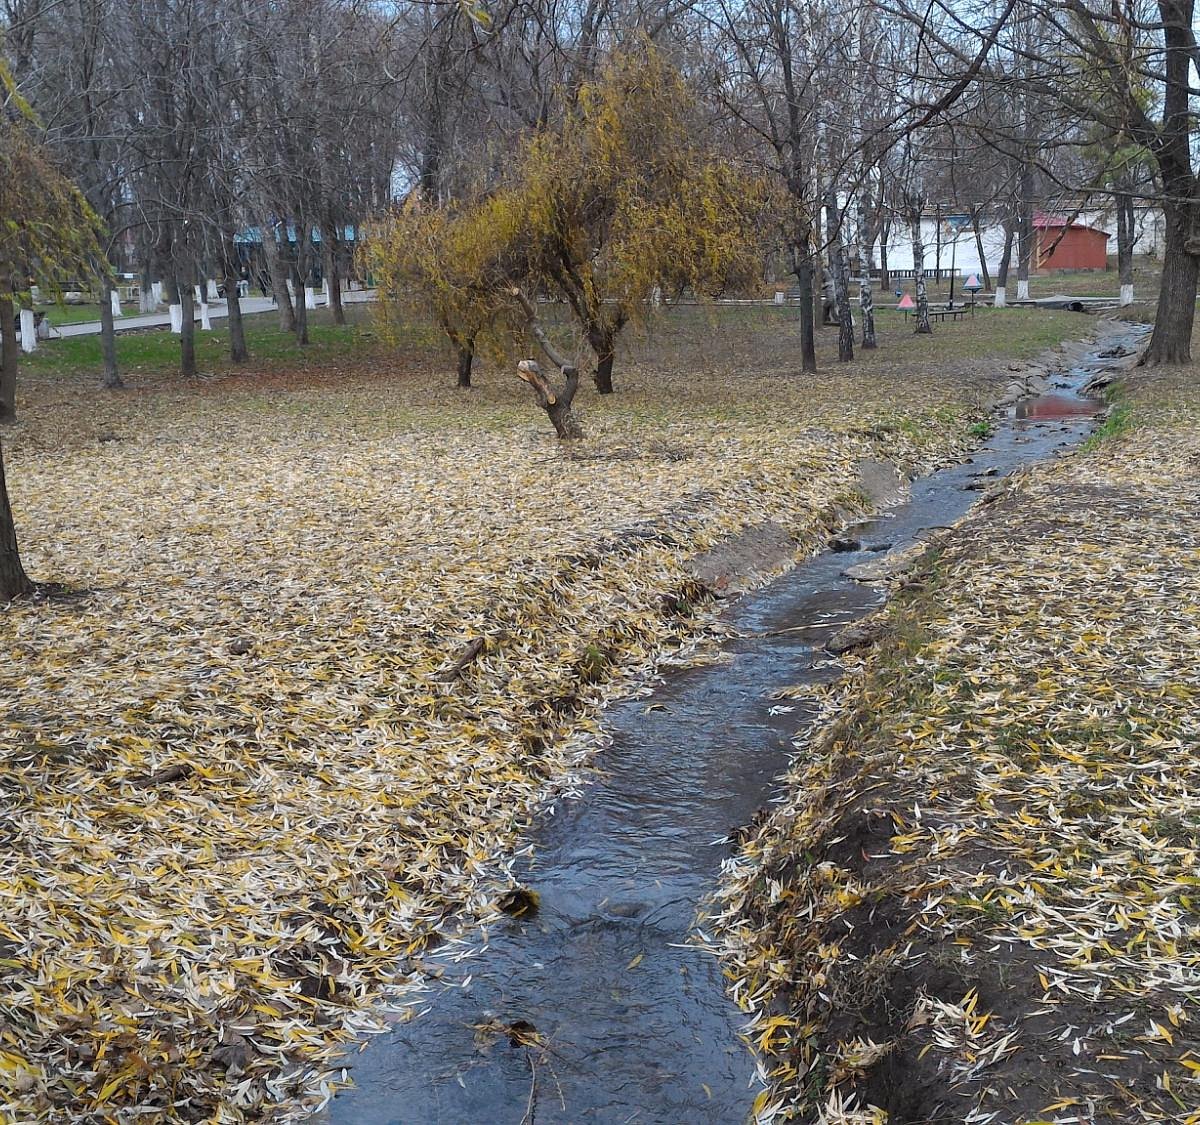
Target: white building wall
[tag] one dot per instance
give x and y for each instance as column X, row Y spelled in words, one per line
column 1149, row 241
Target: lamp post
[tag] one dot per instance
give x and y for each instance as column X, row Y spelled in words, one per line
column 953, row 268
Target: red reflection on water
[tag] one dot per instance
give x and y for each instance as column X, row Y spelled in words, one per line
column 1056, row 406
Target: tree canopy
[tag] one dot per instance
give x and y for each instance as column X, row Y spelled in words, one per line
column 622, row 204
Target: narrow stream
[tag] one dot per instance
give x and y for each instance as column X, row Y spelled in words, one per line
column 635, row 1021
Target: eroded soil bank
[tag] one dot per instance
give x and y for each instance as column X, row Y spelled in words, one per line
column 596, row 1004
column 979, row 901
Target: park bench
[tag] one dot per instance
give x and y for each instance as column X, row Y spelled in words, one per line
column 942, row 314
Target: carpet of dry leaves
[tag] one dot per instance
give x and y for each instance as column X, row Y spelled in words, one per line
column 241, row 792
column 981, row 902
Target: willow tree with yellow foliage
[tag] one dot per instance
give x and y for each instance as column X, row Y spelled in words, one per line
column 618, row 209
column 433, row 262
column 47, row 232
column 625, row 200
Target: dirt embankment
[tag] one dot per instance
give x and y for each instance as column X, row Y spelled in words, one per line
column 980, row 902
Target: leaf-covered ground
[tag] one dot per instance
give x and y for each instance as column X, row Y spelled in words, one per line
column 241, row 791
column 981, row 902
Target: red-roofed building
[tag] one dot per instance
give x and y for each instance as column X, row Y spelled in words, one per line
column 1064, row 245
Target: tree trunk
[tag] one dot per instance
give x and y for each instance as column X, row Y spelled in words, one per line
column 466, row 359
column 556, row 403
column 885, row 276
column 1025, row 235
column 277, row 271
column 238, row 352
column 111, row 379
column 976, row 226
column 335, row 288
column 302, row 267
column 866, row 304
column 802, row 267
column 146, row 302
column 841, row 289
column 186, row 299
column 918, row 251
column 937, row 237
column 866, row 301
column 603, row 343
column 13, row 580
column 1125, row 246
column 8, row 356
column 301, row 315
column 1171, row 342
column 1001, row 298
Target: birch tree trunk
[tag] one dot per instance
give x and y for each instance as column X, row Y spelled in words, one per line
column 922, row 295
column 841, row 288
column 866, row 302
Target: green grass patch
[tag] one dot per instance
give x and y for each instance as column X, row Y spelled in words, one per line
column 157, row 350
column 70, row 314
column 1120, row 420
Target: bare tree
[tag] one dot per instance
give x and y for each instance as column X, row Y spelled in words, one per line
column 1077, row 65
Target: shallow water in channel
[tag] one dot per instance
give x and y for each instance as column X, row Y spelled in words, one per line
column 635, row 1019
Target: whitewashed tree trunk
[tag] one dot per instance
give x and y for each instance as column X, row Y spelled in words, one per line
column 205, row 321
column 28, row 331
column 176, row 312
column 115, row 302
column 1026, row 235
column 1125, row 230
column 1001, row 300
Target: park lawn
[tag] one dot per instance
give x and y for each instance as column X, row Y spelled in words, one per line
column 70, row 314
column 243, row 789
column 980, row 901
column 155, row 351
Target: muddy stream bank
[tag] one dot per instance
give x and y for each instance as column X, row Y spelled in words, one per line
column 614, row 1015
